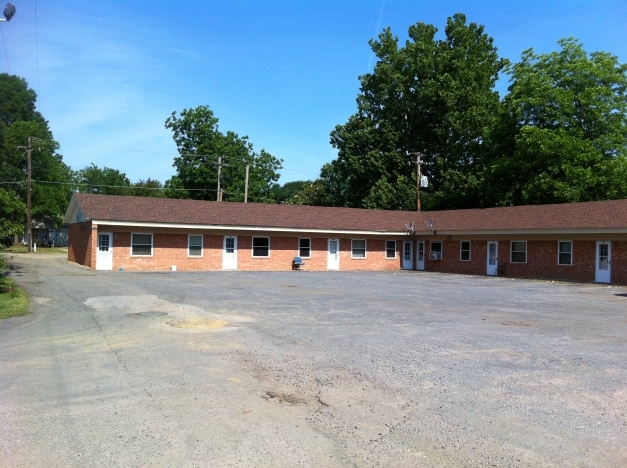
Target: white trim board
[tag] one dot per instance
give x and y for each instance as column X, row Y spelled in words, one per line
column 427, row 234
column 243, row 228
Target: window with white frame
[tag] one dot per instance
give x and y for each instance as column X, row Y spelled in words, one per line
column 464, row 251
column 518, row 252
column 565, row 253
column 358, row 248
column 390, row 249
column 194, row 245
column 304, row 247
column 261, row 246
column 141, row 245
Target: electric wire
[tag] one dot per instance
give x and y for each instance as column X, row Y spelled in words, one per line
column 5, row 48
column 37, row 53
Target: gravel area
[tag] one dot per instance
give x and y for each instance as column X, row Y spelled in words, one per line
column 316, row 369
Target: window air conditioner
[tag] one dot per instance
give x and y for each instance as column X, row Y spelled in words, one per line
column 435, row 255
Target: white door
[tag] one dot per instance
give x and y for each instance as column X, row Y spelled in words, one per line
column 229, row 254
column 408, row 257
column 333, row 262
column 104, row 256
column 603, row 262
column 420, row 260
column 493, row 257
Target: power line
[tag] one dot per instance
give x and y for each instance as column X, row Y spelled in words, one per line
column 5, row 48
column 37, row 49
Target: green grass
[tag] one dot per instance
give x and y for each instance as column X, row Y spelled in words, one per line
column 40, row 250
column 14, row 301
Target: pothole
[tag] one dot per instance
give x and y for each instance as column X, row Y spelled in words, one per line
column 198, row 323
column 152, row 313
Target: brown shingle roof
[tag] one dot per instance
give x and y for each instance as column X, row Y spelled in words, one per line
column 610, row 214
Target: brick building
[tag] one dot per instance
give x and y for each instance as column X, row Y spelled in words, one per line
column 576, row 241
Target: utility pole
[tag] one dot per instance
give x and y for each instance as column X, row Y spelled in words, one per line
column 418, row 177
column 246, row 186
column 219, row 196
column 28, row 202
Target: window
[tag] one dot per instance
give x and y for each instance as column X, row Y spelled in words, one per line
column 358, row 247
column 261, row 246
column 194, row 246
column 141, row 245
column 304, row 248
column 565, row 255
column 519, row 252
column 436, row 250
column 464, row 251
column 390, row 249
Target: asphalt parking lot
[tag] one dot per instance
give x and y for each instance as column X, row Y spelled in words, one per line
column 311, row 369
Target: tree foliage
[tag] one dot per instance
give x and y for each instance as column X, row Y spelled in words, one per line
column 12, row 214
column 200, row 142
column 104, row 181
column 565, row 129
column 51, row 189
column 19, row 120
column 433, row 96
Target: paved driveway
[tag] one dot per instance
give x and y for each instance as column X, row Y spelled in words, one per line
column 311, row 369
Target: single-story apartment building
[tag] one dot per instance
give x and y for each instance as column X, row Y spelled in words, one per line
column 575, row 241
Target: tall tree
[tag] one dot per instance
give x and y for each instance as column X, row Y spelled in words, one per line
column 12, row 215
column 51, row 189
column 564, row 129
column 105, row 181
column 200, row 142
column 431, row 96
column 19, row 119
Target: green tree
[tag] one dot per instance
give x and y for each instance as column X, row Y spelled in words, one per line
column 51, row 186
column 104, row 181
column 200, row 142
column 12, row 215
column 17, row 101
column 285, row 193
column 431, row 96
column 148, row 188
column 19, row 120
column 564, row 129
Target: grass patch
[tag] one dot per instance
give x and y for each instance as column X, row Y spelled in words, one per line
column 13, row 301
column 40, row 250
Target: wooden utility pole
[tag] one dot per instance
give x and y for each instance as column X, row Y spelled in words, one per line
column 246, row 185
column 219, row 196
column 28, row 149
column 418, row 176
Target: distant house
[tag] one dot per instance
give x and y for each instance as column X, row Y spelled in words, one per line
column 577, row 241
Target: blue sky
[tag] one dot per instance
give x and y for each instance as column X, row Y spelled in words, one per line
column 282, row 72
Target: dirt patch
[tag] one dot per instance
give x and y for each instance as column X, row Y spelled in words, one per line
column 516, row 323
column 198, row 323
column 288, row 398
column 152, row 313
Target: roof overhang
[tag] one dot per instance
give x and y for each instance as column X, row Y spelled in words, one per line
column 243, row 228
column 70, row 209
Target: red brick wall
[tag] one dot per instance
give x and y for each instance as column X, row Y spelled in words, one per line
column 541, row 260
column 82, row 241
column 451, row 262
column 619, row 262
column 168, row 250
column 171, row 249
column 375, row 256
